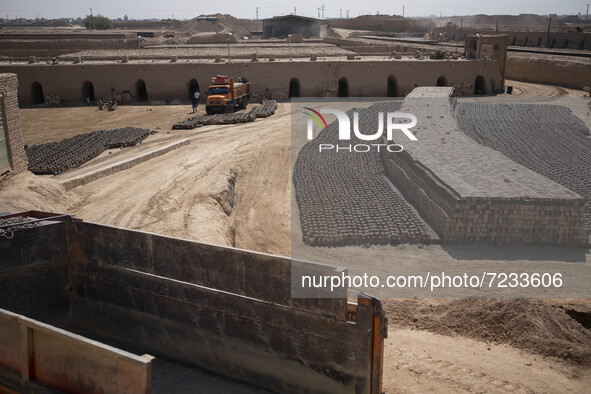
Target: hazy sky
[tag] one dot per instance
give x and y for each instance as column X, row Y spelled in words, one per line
column 247, row 8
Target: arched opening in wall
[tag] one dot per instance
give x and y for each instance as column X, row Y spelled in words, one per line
column 453, row 38
column 193, row 87
column 582, row 44
column 37, row 96
column 479, row 85
column 514, row 40
column 552, row 43
column 539, row 41
column 442, row 81
column 294, row 88
column 88, row 91
column 392, row 88
column 141, row 92
column 565, row 43
column 343, row 90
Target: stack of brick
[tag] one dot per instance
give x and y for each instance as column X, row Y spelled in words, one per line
column 547, row 139
column 11, row 122
column 471, row 193
column 345, row 198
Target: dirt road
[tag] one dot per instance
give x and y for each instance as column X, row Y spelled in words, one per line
column 420, row 361
column 217, row 187
column 525, row 89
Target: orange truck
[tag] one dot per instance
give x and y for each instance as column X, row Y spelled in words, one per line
column 225, row 95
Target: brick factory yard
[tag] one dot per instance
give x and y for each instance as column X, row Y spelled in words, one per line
column 231, row 185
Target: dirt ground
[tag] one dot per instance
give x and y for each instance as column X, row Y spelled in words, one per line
column 232, row 186
column 524, row 89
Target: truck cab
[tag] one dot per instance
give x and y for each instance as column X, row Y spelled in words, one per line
column 224, row 95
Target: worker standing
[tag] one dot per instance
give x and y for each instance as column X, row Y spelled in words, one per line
column 195, row 100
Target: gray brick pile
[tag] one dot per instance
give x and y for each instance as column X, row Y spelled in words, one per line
column 547, row 139
column 56, row 157
column 266, row 109
column 471, row 193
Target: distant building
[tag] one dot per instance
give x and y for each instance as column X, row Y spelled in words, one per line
column 282, row 26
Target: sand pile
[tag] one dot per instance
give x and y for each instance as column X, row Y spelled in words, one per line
column 238, row 27
column 523, row 323
column 25, row 192
column 213, row 38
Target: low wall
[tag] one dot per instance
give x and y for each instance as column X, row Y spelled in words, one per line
column 165, row 80
column 226, row 310
column 573, row 73
column 18, row 45
column 67, row 362
column 93, row 175
column 570, row 40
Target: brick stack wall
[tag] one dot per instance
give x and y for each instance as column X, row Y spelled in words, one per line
column 547, row 139
column 513, row 220
column 471, row 193
column 12, row 123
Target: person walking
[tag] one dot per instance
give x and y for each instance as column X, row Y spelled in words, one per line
column 195, row 100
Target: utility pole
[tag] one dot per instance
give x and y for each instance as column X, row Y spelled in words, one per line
column 497, row 28
column 548, row 34
column 323, row 9
column 461, row 26
column 294, row 10
column 318, row 12
column 341, row 13
column 347, row 14
column 403, row 11
column 257, row 13
column 173, row 21
column 587, row 14
column 91, row 20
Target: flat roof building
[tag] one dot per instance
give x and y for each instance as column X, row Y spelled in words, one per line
column 282, row 26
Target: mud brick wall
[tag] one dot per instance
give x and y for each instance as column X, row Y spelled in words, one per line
column 15, row 45
column 10, row 117
column 570, row 40
column 471, row 193
column 269, row 80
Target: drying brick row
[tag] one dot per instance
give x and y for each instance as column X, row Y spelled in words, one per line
column 345, row 199
column 266, row 109
column 56, row 157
